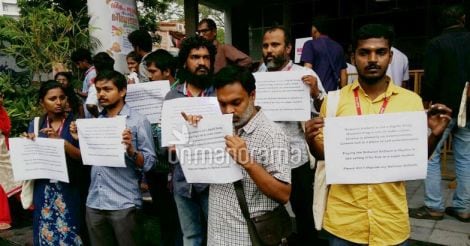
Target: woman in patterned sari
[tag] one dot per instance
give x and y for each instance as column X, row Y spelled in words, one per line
column 57, row 217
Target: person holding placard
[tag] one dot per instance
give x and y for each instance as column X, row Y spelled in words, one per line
column 370, row 214
column 114, row 195
column 261, row 149
column 196, row 62
column 276, row 52
column 57, row 213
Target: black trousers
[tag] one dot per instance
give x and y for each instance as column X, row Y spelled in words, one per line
column 165, row 207
column 301, row 200
column 112, row 227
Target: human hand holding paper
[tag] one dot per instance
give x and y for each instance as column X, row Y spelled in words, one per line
column 237, row 149
column 439, row 116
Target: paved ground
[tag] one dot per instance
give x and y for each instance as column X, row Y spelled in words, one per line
column 448, row 231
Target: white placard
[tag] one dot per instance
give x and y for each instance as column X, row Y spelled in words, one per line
column 376, row 148
column 43, row 158
column 204, row 159
column 173, row 124
column 299, row 45
column 283, row 96
column 101, row 141
column 147, row 98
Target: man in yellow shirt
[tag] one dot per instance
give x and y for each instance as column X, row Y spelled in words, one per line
column 373, row 214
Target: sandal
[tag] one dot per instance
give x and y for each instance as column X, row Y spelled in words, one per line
column 4, row 226
column 425, row 213
column 464, row 217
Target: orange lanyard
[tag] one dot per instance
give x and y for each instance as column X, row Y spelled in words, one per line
column 358, row 103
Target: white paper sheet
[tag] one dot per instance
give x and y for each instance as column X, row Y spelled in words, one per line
column 43, row 158
column 204, row 159
column 173, row 124
column 283, row 96
column 147, row 98
column 101, row 141
column 376, row 148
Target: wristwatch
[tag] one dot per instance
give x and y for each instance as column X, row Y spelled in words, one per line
column 134, row 156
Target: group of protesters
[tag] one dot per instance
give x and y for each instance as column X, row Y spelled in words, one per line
column 101, row 204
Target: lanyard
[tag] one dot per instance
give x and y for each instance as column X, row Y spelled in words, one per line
column 358, row 103
column 59, row 131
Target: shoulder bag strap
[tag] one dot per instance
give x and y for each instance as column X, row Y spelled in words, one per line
column 246, row 214
column 330, row 61
column 332, row 103
column 36, row 126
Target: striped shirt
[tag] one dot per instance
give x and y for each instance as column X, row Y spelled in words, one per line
column 117, row 188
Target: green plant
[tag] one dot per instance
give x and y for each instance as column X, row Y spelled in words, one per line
column 43, row 37
column 21, row 103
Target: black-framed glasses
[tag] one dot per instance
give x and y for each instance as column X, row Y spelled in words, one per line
column 203, row 31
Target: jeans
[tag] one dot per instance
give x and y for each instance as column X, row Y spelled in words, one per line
column 461, row 148
column 192, row 213
column 336, row 241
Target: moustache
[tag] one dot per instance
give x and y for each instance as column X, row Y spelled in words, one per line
column 202, row 68
column 373, row 66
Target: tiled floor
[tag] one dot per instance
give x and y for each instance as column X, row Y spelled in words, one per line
column 448, row 231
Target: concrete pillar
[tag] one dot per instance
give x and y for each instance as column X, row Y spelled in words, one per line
column 228, row 26
column 191, row 14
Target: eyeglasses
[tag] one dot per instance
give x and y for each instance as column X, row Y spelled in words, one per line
column 203, row 31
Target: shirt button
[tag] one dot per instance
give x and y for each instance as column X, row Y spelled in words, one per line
column 370, row 189
column 369, row 211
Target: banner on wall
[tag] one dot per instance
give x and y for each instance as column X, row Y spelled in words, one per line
column 111, row 21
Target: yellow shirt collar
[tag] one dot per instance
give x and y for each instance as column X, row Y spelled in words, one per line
column 392, row 89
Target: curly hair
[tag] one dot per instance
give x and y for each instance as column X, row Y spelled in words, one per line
column 195, row 42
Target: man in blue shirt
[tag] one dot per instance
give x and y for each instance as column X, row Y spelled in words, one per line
column 114, row 193
column 326, row 57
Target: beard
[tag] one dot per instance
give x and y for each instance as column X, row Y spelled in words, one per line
column 200, row 81
column 374, row 79
column 240, row 121
column 275, row 63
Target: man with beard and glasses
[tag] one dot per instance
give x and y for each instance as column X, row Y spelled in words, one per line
column 276, row 50
column 196, row 59
column 261, row 149
column 226, row 53
column 371, row 214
